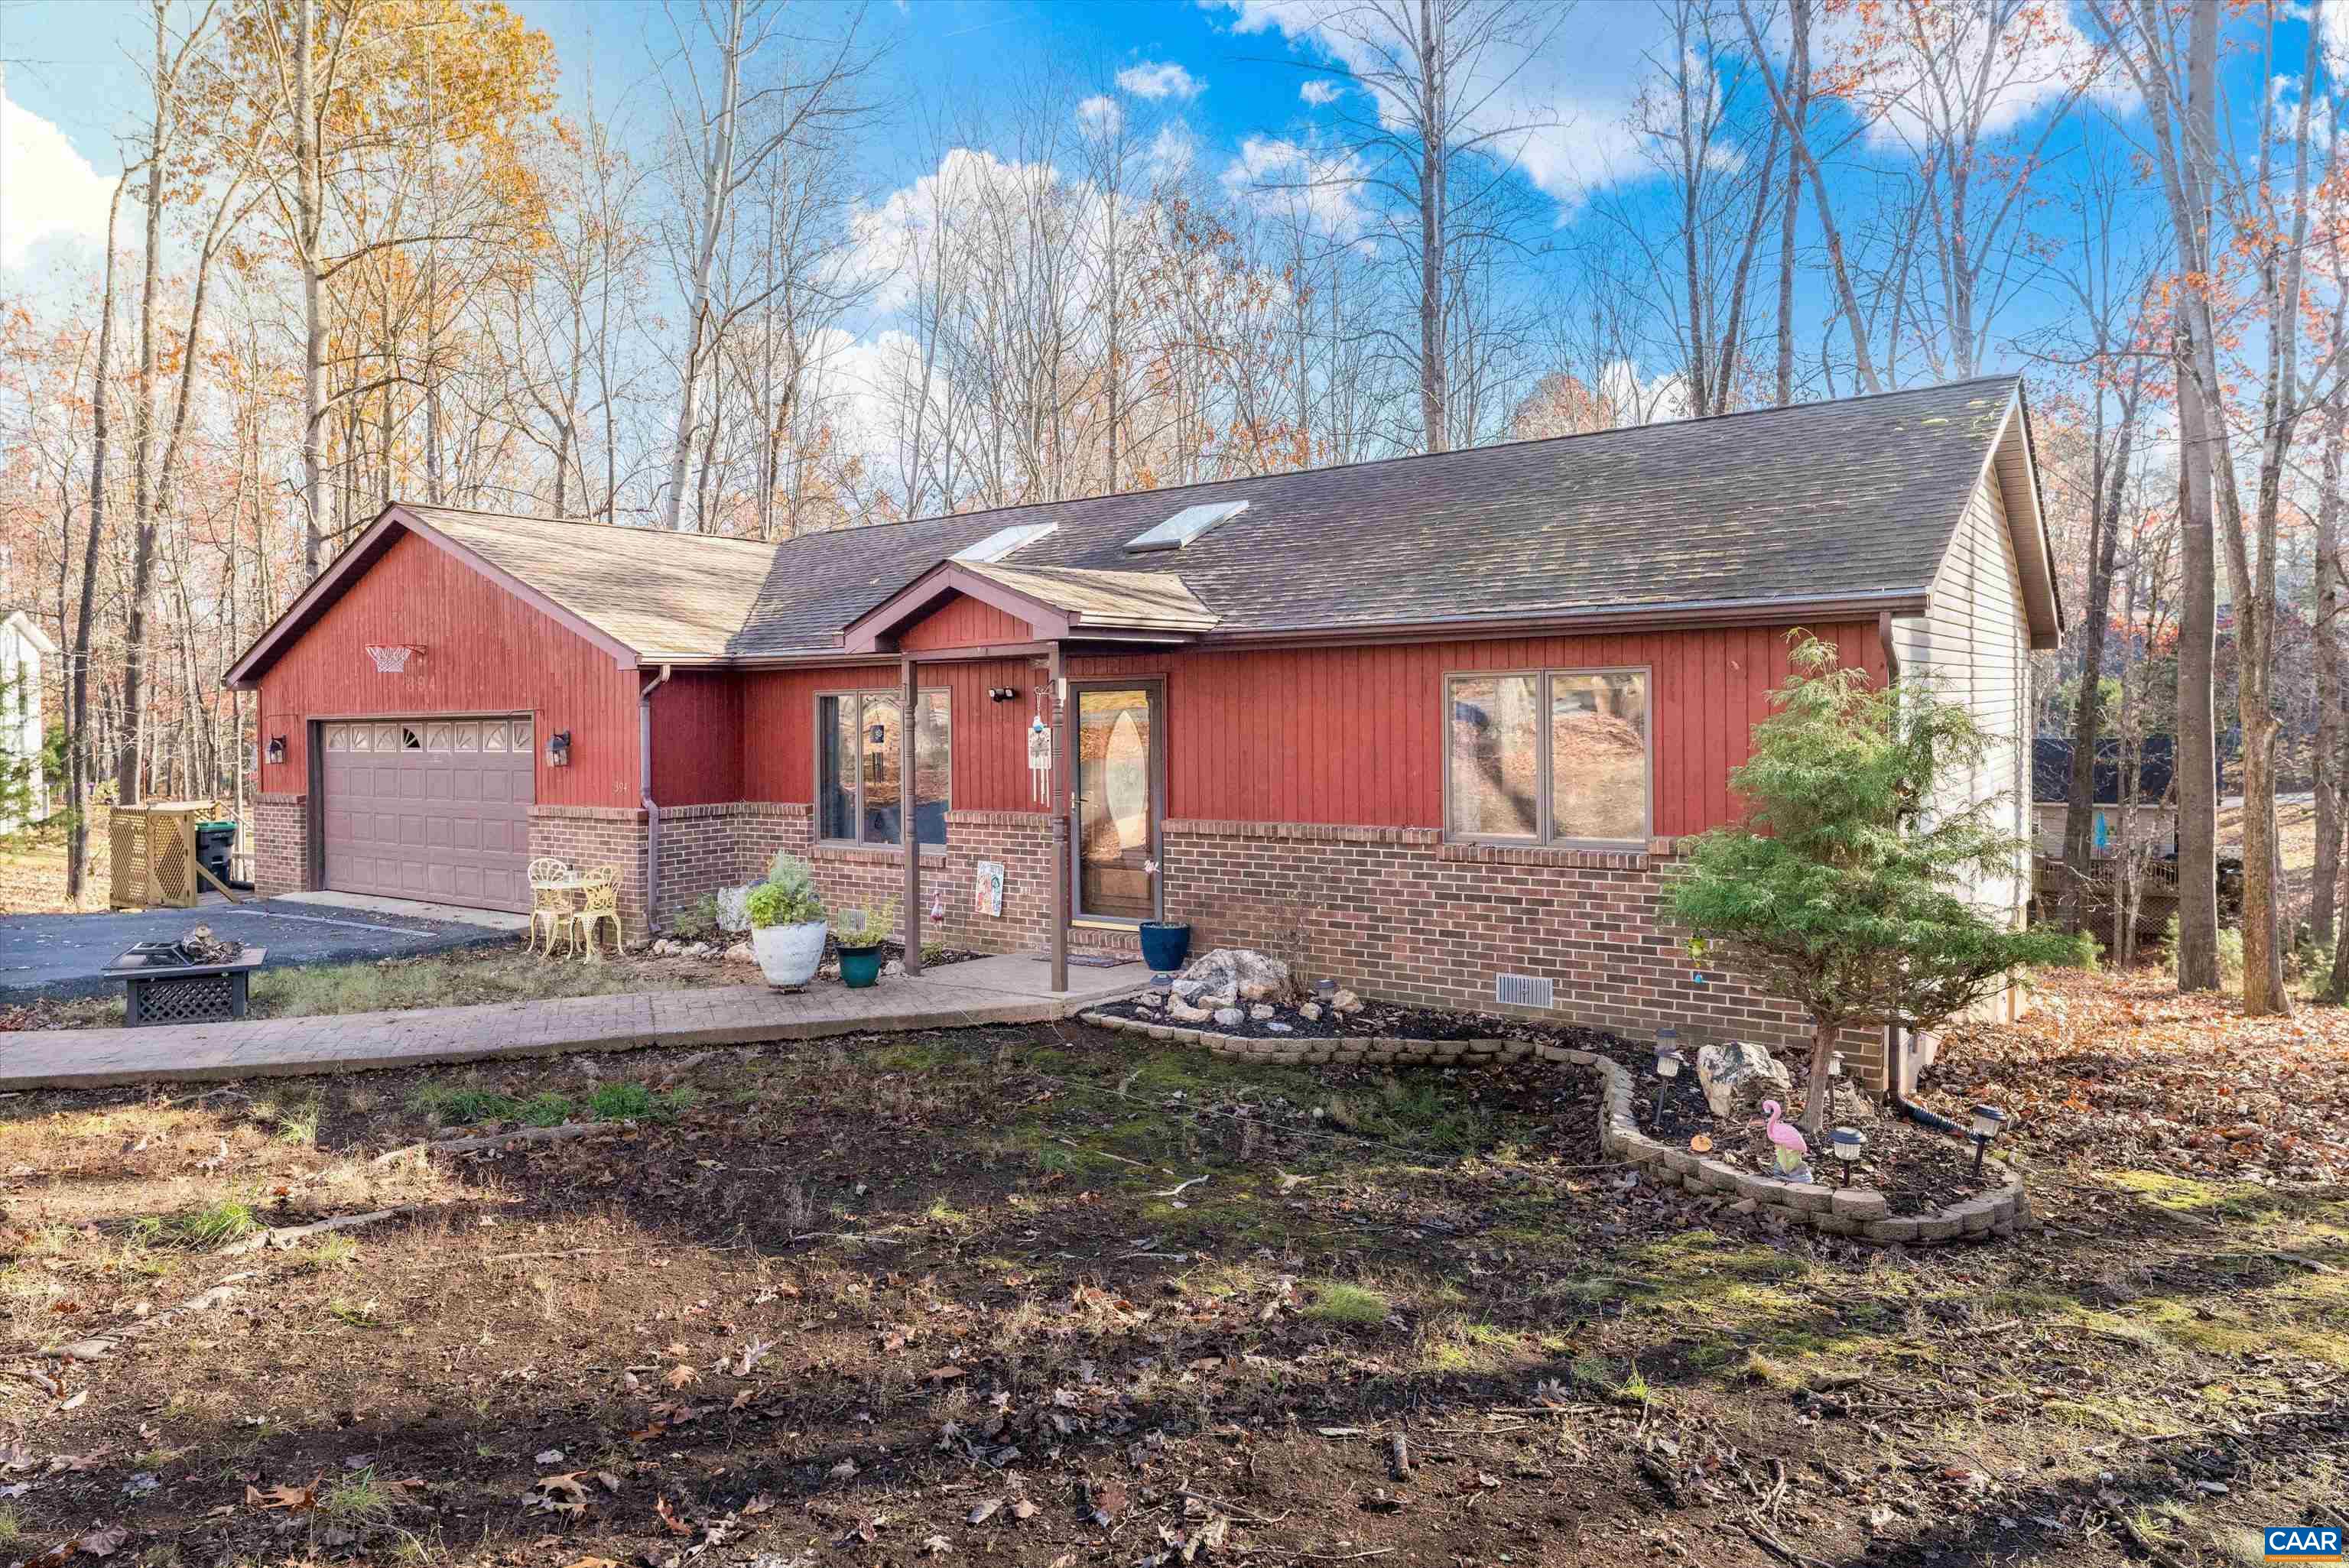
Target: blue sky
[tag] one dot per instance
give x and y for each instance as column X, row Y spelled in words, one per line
column 1228, row 70
column 1238, row 76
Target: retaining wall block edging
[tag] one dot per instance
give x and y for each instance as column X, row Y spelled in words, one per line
column 1858, row 1213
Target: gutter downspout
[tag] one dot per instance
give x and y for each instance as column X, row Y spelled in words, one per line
column 645, row 792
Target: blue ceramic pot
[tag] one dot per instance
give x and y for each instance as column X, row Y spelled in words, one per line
column 860, row 966
column 1164, row 943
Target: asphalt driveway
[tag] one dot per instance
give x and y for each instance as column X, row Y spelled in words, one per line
column 60, row 954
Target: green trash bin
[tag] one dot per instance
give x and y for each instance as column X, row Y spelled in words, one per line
column 215, row 843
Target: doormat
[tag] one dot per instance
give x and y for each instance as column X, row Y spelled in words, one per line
column 1088, row 960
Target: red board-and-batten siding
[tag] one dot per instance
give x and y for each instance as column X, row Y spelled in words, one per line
column 1347, row 735
column 485, row 653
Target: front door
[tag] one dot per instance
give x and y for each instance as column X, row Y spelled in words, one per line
column 1121, row 790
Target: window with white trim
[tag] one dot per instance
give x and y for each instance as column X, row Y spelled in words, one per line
column 859, row 759
column 1548, row 757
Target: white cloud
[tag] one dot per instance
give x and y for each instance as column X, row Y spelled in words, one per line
column 49, row 191
column 1173, row 150
column 1576, row 91
column 1318, row 91
column 1162, row 80
column 2037, row 62
column 1276, row 175
column 1101, row 112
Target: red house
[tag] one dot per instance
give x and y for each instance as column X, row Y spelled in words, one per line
column 1439, row 721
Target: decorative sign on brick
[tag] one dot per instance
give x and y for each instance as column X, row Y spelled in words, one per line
column 986, row 888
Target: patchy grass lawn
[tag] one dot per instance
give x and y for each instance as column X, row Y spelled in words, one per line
column 462, row 978
column 962, row 1293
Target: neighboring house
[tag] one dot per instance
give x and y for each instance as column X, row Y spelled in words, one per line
column 22, row 647
column 1435, row 724
column 2155, row 818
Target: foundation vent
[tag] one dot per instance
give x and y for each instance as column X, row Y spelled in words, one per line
column 1524, row 991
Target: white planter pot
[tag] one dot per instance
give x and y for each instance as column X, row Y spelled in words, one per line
column 788, row 955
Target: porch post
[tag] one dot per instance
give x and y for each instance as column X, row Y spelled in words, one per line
column 1064, row 785
column 909, row 719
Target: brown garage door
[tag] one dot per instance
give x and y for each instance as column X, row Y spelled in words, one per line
column 433, row 809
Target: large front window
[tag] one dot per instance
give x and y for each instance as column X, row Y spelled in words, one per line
column 1548, row 756
column 859, row 792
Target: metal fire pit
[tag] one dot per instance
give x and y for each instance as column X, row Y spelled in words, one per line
column 161, row 986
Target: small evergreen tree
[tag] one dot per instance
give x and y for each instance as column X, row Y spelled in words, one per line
column 1845, row 889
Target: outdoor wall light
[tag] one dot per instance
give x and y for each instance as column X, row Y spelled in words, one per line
column 1847, row 1144
column 1001, row 694
column 276, row 751
column 1668, row 1067
column 1989, row 1122
column 558, row 749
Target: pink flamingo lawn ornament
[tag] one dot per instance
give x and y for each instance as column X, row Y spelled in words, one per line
column 1792, row 1154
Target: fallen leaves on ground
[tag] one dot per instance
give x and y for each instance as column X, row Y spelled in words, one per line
column 2122, row 1071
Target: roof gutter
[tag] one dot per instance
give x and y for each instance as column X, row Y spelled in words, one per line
column 644, row 790
column 1690, row 616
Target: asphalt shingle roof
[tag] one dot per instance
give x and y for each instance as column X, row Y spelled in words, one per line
column 1817, row 501
column 657, row 592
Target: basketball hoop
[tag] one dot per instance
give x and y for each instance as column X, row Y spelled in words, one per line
column 392, row 660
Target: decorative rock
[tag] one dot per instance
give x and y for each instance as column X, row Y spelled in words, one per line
column 1310, row 1012
column 1154, row 999
column 1229, row 1017
column 1738, row 1076
column 1279, row 1028
column 1232, row 973
column 741, row 953
column 1182, row 1012
column 1345, row 1002
column 1743, row 1206
column 734, row 907
column 1260, row 1011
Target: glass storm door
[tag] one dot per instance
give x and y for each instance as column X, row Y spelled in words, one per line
column 1120, row 769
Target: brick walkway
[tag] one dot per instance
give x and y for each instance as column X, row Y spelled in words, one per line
column 1007, row 990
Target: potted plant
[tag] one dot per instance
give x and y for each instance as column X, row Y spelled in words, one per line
column 787, row 925
column 859, row 937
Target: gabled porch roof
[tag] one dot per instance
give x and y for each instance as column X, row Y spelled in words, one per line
column 1057, row 604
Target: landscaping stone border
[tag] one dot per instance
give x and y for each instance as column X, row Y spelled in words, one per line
column 1861, row 1213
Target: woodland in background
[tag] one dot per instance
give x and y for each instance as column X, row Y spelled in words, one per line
column 358, row 254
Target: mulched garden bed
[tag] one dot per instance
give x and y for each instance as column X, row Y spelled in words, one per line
column 1918, row 1169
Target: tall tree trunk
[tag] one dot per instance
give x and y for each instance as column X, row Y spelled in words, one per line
column 142, row 446
column 309, row 203
column 2087, row 714
column 2328, row 782
column 1798, row 109
column 1433, row 411
column 81, row 753
column 2197, row 741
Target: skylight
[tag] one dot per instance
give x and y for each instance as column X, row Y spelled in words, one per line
column 1185, row 526
column 1004, row 541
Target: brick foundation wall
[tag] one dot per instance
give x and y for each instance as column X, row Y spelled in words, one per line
column 583, row 837
column 704, row 848
column 281, row 844
column 1398, row 915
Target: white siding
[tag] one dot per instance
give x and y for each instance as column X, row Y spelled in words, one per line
column 1974, row 642
column 20, row 708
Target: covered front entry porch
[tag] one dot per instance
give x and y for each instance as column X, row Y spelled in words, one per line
column 1096, row 748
